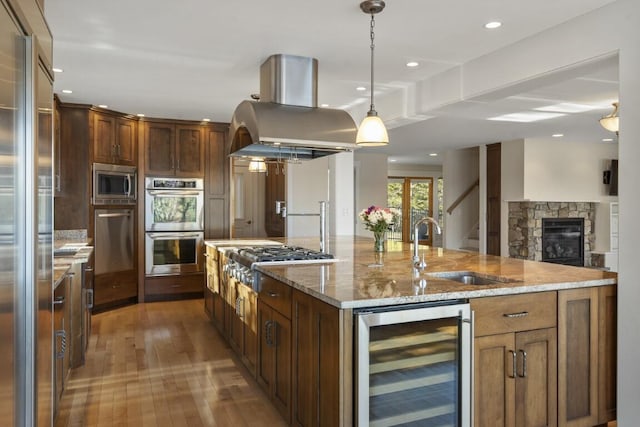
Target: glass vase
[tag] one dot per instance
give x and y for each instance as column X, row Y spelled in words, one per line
column 379, row 239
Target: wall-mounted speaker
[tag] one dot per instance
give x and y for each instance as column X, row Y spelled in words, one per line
column 606, row 177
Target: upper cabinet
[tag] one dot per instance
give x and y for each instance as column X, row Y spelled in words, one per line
column 174, row 150
column 114, row 139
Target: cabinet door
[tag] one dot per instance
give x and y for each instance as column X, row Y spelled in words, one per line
column 494, row 381
column 274, row 191
column 607, row 356
column 104, row 141
column 264, row 373
column 235, row 322
column 536, row 378
column 189, row 151
column 250, row 328
column 216, row 221
column 316, row 379
column 219, row 304
column 159, row 148
column 281, row 385
column 578, row 357
column 126, row 141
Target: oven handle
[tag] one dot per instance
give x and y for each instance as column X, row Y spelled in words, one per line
column 113, row 215
column 174, row 192
column 173, row 235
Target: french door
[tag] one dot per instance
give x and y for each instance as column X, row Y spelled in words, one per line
column 414, row 198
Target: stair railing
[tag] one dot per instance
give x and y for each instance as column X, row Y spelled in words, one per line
column 463, row 196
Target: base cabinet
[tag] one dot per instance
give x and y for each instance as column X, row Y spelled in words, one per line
column 274, row 344
column 318, row 373
column 515, row 363
column 586, row 356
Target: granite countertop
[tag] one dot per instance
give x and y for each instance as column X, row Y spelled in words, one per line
column 69, row 251
column 362, row 278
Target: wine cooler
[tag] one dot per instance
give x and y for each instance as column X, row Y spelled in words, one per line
column 414, row 365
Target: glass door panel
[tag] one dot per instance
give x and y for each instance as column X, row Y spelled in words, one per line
column 414, row 198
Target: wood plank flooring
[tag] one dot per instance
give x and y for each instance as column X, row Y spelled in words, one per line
column 162, row 364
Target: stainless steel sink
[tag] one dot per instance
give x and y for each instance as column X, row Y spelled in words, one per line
column 471, row 278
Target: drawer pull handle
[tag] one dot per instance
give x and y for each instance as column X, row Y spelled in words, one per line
column 516, row 315
column 524, row 363
column 272, row 294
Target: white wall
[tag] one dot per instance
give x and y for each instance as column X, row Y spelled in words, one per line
column 460, row 169
column 306, row 184
column 557, row 170
column 341, row 194
column 371, row 185
column 627, row 14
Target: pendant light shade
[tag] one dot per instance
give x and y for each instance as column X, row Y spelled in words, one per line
column 611, row 122
column 257, row 165
column 372, row 132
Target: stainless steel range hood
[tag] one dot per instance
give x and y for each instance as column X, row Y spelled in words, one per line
column 286, row 123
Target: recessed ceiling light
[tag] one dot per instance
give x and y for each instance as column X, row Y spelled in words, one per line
column 433, row 154
column 526, row 117
column 67, row 91
column 393, row 160
column 103, row 106
column 276, row 143
column 206, row 120
column 493, row 25
column 607, row 140
column 140, row 115
column 412, row 64
column 57, row 70
column 558, row 135
column 324, row 105
column 361, row 88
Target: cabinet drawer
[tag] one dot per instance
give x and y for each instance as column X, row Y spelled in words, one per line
column 276, row 295
column 169, row 285
column 513, row 313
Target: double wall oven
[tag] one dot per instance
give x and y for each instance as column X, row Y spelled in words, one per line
column 174, row 226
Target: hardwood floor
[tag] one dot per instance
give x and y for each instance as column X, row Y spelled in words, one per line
column 162, row 364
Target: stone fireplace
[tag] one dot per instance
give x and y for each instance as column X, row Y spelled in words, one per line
column 526, row 225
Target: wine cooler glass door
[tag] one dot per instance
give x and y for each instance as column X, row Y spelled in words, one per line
column 414, row 366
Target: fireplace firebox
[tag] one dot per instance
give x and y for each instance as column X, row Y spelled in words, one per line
column 563, row 241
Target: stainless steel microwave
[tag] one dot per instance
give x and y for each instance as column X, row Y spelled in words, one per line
column 114, row 184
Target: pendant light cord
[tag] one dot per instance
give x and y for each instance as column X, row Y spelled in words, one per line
column 372, row 35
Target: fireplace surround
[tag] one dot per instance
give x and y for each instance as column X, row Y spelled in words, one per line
column 525, row 227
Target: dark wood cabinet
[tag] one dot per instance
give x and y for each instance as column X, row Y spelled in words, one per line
column 274, row 344
column 316, row 362
column 216, row 187
column 274, row 191
column 114, row 139
column 173, row 150
column 115, row 289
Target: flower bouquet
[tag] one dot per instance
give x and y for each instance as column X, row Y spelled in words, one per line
column 379, row 220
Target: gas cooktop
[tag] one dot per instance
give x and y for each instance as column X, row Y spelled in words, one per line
column 249, row 256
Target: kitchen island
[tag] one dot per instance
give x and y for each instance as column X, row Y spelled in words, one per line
column 562, row 317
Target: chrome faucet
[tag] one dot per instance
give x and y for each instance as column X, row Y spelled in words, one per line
column 417, row 263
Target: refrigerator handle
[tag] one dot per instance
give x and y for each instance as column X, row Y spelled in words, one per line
column 89, row 299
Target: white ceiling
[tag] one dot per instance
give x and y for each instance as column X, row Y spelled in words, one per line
column 198, row 59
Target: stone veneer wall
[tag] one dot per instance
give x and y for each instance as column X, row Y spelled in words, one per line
column 525, row 226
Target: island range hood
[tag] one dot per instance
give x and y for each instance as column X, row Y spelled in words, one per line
column 286, row 123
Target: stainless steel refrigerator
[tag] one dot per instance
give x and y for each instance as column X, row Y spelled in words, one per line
column 26, row 200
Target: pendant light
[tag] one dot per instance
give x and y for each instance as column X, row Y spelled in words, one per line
column 372, row 131
column 611, row 122
column 258, row 165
